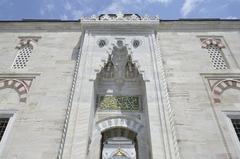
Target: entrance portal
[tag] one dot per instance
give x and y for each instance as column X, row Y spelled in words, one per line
column 119, row 143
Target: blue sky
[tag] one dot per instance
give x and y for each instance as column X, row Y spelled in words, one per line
column 74, row 9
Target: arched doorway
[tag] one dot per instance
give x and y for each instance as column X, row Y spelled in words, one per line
column 120, row 109
column 119, row 143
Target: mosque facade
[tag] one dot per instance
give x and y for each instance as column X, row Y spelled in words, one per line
column 120, row 86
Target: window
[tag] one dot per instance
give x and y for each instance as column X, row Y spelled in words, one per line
column 127, row 103
column 216, row 57
column 22, row 57
column 6, row 122
column 3, row 125
column 214, row 47
column 25, row 48
column 236, row 125
column 229, row 122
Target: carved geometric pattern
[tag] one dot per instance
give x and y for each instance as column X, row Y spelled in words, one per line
column 119, row 122
column 107, row 70
column 119, row 17
column 17, row 82
column 216, row 57
column 219, row 83
column 22, row 57
column 111, row 68
column 25, row 47
column 131, row 69
column 118, row 103
column 214, row 47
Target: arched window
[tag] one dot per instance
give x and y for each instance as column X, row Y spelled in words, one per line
column 214, row 47
column 25, row 48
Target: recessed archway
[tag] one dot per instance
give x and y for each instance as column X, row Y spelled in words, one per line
column 119, row 143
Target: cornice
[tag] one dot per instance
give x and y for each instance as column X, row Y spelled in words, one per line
column 119, row 21
column 159, row 25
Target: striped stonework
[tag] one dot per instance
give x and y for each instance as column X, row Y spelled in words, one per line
column 218, row 83
column 223, row 85
column 20, row 84
column 122, row 122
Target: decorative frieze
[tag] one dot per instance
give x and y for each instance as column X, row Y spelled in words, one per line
column 119, row 17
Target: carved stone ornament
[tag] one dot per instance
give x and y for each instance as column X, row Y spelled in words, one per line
column 119, row 17
column 27, row 41
column 212, row 41
column 21, row 83
column 218, row 83
column 119, row 66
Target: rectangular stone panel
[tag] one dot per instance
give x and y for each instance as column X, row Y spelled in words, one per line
column 118, row 102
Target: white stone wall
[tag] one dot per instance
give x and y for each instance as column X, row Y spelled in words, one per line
column 199, row 133
column 203, row 130
column 37, row 129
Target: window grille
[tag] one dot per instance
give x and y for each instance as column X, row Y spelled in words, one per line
column 236, row 125
column 22, row 57
column 128, row 103
column 216, row 57
column 3, row 125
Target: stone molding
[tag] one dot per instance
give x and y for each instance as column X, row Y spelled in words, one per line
column 218, row 83
column 212, row 41
column 123, row 21
column 69, row 108
column 171, row 138
column 27, row 41
column 123, row 122
column 119, row 17
column 21, row 83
